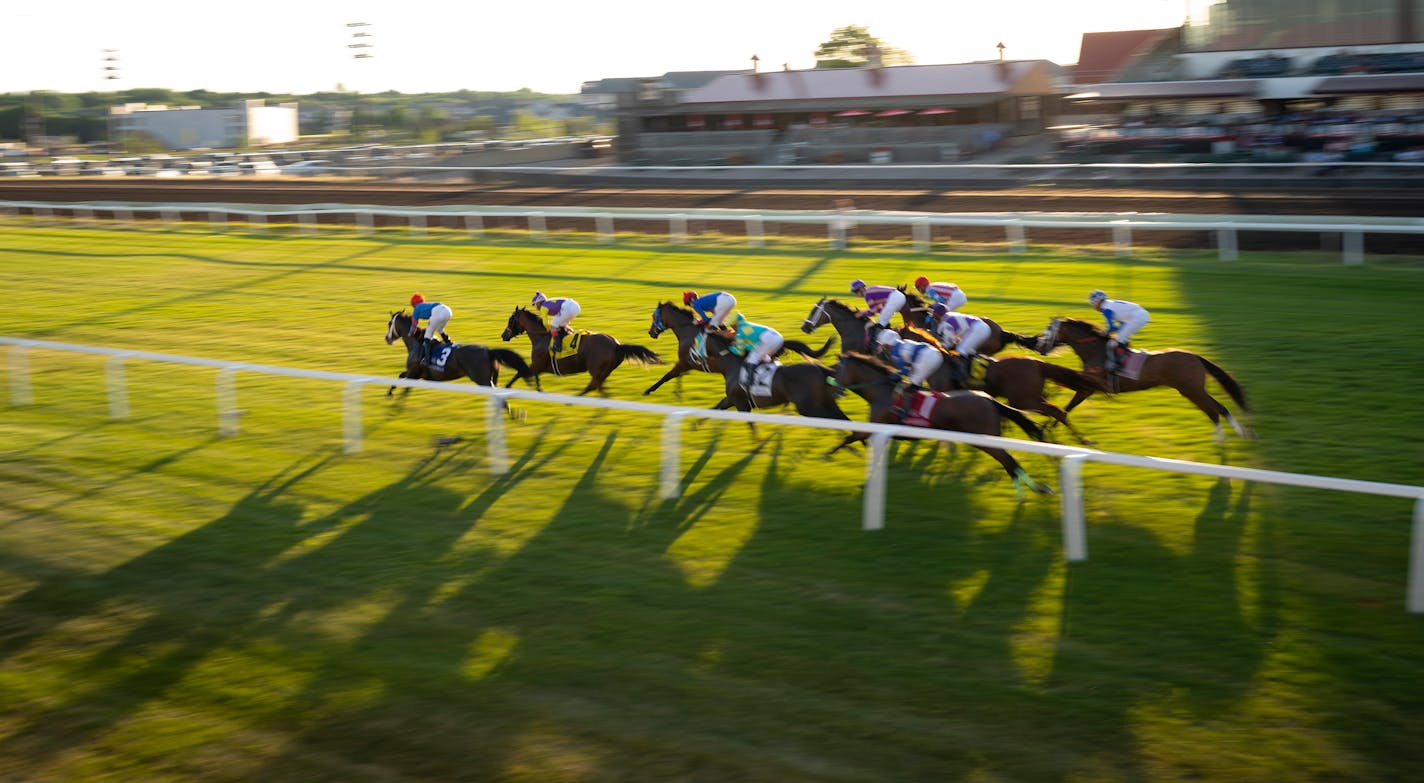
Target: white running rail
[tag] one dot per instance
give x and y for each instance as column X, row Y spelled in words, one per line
column 1072, row 458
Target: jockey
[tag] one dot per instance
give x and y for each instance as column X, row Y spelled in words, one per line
column 711, row 309
column 436, row 315
column 1123, row 317
column 881, row 301
column 915, row 360
column 961, row 333
column 947, row 294
column 561, row 310
column 754, row 341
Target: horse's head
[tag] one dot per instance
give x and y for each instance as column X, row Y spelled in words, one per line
column 914, row 300
column 817, row 317
column 668, row 316
column 1048, row 340
column 514, row 327
column 397, row 327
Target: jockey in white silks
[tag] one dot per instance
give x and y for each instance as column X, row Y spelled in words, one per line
column 1124, row 318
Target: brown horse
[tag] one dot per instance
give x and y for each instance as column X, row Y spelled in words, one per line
column 476, row 362
column 1181, row 370
column 804, row 385
column 598, row 354
column 960, row 411
column 683, row 324
column 916, row 312
column 1017, row 379
column 854, row 328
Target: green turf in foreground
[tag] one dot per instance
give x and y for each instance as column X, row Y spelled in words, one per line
column 180, row 606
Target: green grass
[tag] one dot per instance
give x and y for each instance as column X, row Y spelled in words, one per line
column 264, row 607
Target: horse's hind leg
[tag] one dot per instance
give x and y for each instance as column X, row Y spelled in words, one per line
column 676, row 372
column 1214, row 411
column 1016, row 472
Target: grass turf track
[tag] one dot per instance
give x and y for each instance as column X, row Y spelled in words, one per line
column 180, row 606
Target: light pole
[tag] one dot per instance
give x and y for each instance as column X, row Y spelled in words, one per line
column 361, row 48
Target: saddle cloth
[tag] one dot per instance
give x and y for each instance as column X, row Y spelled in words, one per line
column 440, row 355
column 918, row 406
column 760, row 384
column 571, row 344
column 1131, row 367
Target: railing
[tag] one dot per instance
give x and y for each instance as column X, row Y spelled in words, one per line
column 1072, row 458
column 1119, row 226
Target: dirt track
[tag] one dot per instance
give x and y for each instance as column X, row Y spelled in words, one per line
column 1340, row 201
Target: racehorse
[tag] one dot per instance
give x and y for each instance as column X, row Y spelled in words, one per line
column 598, row 354
column 803, row 385
column 852, row 326
column 683, row 324
column 476, row 362
column 960, row 411
column 1181, row 370
column 916, row 312
column 1017, row 379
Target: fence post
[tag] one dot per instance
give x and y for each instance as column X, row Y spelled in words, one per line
column 84, row 213
column 1226, row 244
column 1416, row 560
column 1070, row 488
column 494, row 434
column 257, row 220
column 1353, row 245
column 127, row 216
column 1015, row 231
column 604, row 225
column 677, row 228
column 218, row 219
column 537, row 227
column 365, row 221
column 169, row 216
column 118, row 388
column 1122, row 240
column 308, row 221
column 20, row 376
column 417, row 225
column 920, row 230
column 227, row 401
column 351, row 416
column 41, row 216
column 756, row 231
column 474, row 225
column 671, row 456
column 873, row 515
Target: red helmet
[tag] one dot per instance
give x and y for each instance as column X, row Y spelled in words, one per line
column 921, row 283
column 688, row 296
column 416, row 299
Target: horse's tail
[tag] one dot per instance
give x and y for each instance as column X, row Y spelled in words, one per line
column 637, row 353
column 796, row 346
column 1229, row 383
column 1017, row 416
column 1073, row 379
column 512, row 360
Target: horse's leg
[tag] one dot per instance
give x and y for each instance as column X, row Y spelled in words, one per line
column 1078, row 398
column 1214, row 410
column 392, row 390
column 676, row 371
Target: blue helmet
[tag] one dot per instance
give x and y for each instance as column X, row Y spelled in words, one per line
column 1095, row 297
column 538, row 297
column 857, row 285
column 938, row 310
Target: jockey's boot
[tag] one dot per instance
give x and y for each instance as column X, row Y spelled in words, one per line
column 422, row 351
column 748, row 375
column 958, row 371
column 558, row 344
column 1113, row 361
column 898, row 404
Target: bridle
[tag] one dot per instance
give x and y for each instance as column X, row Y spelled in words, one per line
column 392, row 334
column 814, row 319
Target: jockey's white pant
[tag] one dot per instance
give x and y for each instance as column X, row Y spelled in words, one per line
column 723, row 308
column 566, row 314
column 955, row 301
column 439, row 316
column 1128, row 329
column 765, row 348
column 893, row 303
column 968, row 345
column 925, row 365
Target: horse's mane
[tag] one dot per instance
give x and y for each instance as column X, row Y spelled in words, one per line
column 927, row 338
column 913, row 296
column 842, row 305
column 677, row 308
column 875, row 362
column 1091, row 327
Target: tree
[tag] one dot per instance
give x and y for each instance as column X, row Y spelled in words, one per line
column 850, row 47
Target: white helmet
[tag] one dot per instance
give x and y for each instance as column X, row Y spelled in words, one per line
column 1095, row 297
column 888, row 337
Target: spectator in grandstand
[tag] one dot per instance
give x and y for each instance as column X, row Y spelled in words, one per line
column 561, row 310
column 436, row 315
column 711, row 309
column 1124, row 318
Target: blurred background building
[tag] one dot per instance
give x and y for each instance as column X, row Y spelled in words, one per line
column 249, row 123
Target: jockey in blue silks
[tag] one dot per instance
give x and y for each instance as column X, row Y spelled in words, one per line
column 436, row 315
column 711, row 309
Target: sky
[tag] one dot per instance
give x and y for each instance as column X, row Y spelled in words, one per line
column 301, row 46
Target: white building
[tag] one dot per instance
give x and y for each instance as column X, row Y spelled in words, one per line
column 189, row 127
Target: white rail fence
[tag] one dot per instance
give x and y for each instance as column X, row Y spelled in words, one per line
column 1118, row 227
column 1072, row 459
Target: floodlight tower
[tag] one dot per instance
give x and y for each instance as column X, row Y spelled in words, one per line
column 111, row 64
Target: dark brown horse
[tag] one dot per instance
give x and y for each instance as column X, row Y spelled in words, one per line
column 476, row 362
column 1181, row 370
column 853, row 327
column 598, row 354
column 1019, row 380
column 803, row 385
column 916, row 312
column 960, row 411
column 682, row 322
